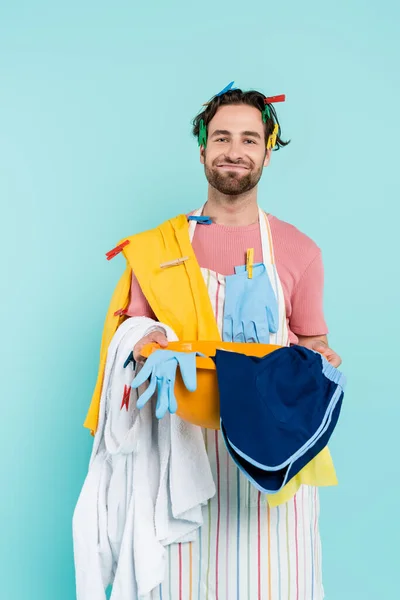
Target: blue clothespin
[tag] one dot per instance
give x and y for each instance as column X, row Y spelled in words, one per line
column 201, row 220
column 130, row 359
column 227, row 89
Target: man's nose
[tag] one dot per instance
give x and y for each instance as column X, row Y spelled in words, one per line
column 235, row 150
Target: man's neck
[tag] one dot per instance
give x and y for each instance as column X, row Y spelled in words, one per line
column 232, row 211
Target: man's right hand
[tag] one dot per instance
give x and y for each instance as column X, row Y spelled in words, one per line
column 156, row 336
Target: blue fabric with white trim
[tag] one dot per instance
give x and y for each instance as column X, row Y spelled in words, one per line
column 277, row 412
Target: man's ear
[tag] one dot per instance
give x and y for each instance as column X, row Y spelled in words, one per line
column 202, row 155
column 267, row 158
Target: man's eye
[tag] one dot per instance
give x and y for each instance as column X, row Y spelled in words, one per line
column 250, row 141
column 221, row 139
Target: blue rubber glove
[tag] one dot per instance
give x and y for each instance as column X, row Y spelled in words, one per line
column 161, row 368
column 251, row 308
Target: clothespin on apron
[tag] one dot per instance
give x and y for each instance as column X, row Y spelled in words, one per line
column 174, row 263
column 250, row 262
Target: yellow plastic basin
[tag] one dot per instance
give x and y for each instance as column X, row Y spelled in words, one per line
column 201, row 407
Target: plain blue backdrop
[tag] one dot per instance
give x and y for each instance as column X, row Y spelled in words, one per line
column 96, row 100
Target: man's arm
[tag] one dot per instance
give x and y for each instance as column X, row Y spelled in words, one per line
column 320, row 344
column 308, row 314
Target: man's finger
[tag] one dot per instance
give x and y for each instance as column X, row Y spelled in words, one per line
column 160, row 339
column 156, row 337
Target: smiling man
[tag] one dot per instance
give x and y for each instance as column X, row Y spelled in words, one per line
column 248, row 548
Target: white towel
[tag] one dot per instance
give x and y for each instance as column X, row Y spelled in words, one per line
column 147, row 482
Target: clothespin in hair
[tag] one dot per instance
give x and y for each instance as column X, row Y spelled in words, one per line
column 202, row 134
column 272, row 138
column 116, row 250
column 274, row 99
column 266, row 113
column 228, row 88
column 250, row 262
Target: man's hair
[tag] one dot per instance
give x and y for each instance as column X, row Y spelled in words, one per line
column 250, row 98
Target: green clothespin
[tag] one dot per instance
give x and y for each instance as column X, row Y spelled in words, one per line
column 266, row 113
column 202, row 134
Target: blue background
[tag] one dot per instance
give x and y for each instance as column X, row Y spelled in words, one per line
column 96, row 100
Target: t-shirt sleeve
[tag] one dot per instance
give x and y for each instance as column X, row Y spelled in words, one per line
column 307, row 317
column 138, row 305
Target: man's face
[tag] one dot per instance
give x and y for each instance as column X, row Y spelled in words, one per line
column 236, row 150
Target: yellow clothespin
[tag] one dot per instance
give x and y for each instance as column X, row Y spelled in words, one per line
column 272, row 138
column 250, row 262
column 173, row 263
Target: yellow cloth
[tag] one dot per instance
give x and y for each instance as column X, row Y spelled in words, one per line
column 179, row 298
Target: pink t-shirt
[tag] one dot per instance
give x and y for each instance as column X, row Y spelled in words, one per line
column 298, row 260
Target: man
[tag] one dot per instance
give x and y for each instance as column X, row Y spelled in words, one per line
column 246, row 549
column 233, row 164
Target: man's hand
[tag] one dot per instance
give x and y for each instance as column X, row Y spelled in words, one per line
column 320, row 344
column 156, row 336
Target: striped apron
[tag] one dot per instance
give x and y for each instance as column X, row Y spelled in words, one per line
column 245, row 549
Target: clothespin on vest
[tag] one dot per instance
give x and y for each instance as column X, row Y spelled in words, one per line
column 173, row 263
column 125, row 397
column 250, row 262
column 116, row 250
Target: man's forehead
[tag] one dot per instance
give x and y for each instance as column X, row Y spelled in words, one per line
column 237, row 118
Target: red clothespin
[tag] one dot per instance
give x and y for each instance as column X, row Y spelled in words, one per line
column 121, row 311
column 273, row 99
column 116, row 250
column 125, row 397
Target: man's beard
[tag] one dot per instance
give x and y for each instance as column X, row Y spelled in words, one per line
column 232, row 183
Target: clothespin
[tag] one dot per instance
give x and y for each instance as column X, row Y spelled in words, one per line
column 173, row 263
column 121, row 311
column 227, row 89
column 202, row 134
column 273, row 99
column 272, row 138
column 125, row 397
column 129, row 360
column 202, row 220
column 250, row 262
column 116, row 250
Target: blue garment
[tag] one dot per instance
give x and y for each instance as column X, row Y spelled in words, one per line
column 277, row 412
column 161, row 368
column 251, row 307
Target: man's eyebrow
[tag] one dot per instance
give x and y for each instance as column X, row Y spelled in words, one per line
column 226, row 132
column 220, row 132
column 252, row 134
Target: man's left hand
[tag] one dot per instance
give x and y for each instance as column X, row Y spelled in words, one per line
column 330, row 355
column 322, row 347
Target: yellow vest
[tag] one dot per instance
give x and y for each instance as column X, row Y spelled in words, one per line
column 179, row 298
